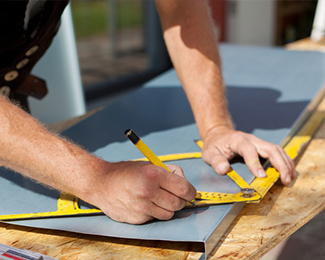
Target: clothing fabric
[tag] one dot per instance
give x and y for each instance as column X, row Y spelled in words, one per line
column 21, row 46
column 33, row 8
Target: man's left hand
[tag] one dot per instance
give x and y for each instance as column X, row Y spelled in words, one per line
column 222, row 144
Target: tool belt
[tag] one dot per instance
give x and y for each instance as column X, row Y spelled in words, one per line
column 21, row 48
column 32, row 86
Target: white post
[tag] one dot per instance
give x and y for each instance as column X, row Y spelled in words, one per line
column 318, row 30
column 60, row 68
column 251, row 22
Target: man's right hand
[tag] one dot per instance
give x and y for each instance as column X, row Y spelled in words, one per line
column 132, row 192
column 136, row 192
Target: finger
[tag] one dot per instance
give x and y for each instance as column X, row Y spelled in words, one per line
column 220, row 164
column 278, row 158
column 251, row 157
column 145, row 211
column 282, row 162
column 160, row 213
column 135, row 213
column 217, row 161
column 178, row 186
column 176, row 170
column 135, row 219
column 290, row 163
column 168, row 201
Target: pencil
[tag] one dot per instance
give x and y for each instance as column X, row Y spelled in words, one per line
column 147, row 152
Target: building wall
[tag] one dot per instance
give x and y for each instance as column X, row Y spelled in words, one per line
column 251, row 22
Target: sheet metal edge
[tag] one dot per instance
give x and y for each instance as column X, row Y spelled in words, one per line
column 305, row 115
column 211, row 242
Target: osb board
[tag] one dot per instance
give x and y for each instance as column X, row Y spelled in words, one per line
column 256, row 230
column 307, row 45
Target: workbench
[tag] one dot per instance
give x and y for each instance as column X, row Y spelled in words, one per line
column 256, row 230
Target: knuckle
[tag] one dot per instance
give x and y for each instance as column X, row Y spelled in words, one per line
column 206, row 155
column 140, row 208
column 273, row 149
column 177, row 204
column 249, row 151
column 165, row 215
column 137, row 220
column 183, row 190
column 144, row 193
column 174, row 167
column 151, row 172
column 215, row 161
column 238, row 136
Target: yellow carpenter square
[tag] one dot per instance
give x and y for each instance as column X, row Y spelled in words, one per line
column 238, row 179
column 67, row 206
column 305, row 134
column 223, row 198
column 262, row 185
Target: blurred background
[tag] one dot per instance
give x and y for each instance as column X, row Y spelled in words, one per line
column 120, row 46
column 105, row 48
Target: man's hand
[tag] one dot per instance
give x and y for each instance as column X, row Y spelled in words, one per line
column 136, row 192
column 221, row 144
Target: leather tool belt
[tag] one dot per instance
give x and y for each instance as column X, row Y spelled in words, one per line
column 33, row 86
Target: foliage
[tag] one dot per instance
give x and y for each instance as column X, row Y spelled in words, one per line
column 92, row 17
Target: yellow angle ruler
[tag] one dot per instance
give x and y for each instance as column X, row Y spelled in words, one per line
column 67, row 204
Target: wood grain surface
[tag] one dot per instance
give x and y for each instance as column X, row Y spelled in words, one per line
column 307, row 45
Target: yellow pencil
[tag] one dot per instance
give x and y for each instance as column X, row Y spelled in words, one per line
column 147, row 152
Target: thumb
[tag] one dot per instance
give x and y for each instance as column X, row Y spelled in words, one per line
column 219, row 163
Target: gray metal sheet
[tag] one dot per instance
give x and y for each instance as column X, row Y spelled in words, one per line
column 267, row 88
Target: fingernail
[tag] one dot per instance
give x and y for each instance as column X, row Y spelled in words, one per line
column 261, row 173
column 222, row 168
column 288, row 179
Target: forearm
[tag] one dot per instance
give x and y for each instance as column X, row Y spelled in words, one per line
column 189, row 35
column 191, row 42
column 29, row 148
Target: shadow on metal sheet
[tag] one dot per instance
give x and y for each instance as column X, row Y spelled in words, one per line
column 28, row 184
column 145, row 110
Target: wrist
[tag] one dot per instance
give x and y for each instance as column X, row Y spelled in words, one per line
column 217, row 129
column 90, row 179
